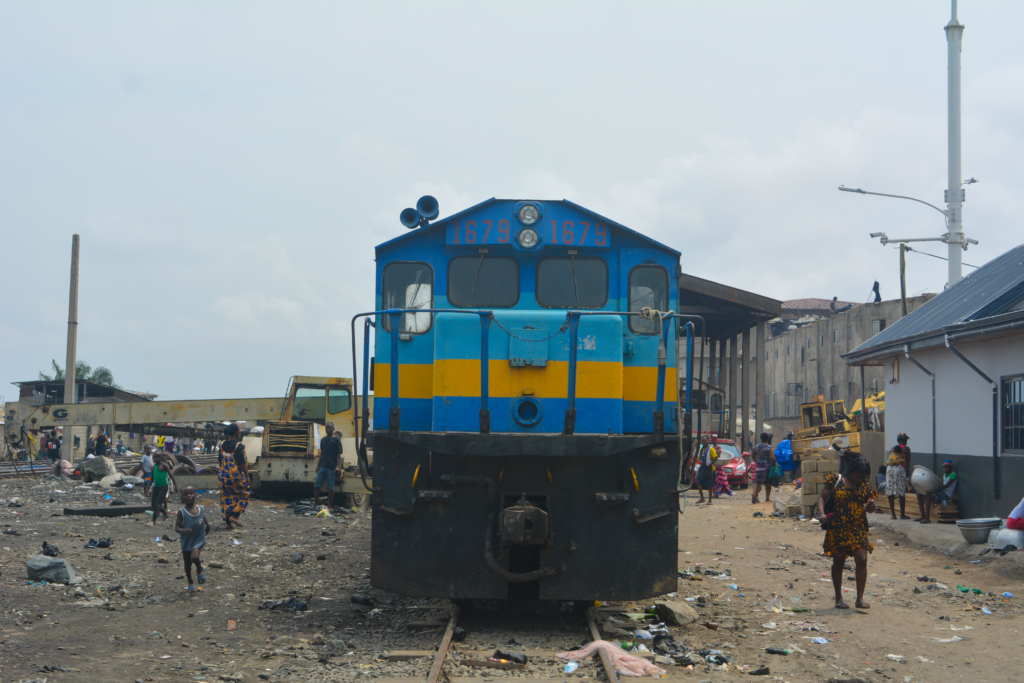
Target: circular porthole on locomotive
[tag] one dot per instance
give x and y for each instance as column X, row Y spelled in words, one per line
column 527, row 411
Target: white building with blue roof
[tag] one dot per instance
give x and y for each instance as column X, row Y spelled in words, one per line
column 954, row 372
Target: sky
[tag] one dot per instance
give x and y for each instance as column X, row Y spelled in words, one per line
column 230, row 166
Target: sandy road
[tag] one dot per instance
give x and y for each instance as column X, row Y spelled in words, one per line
column 130, row 619
column 769, row 556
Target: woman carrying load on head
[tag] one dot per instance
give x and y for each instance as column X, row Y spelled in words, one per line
column 234, row 478
column 842, row 504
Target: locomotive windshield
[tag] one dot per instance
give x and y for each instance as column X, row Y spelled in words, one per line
column 648, row 288
column 408, row 285
column 572, row 282
column 487, row 282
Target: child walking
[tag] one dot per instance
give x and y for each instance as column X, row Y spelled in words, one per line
column 193, row 526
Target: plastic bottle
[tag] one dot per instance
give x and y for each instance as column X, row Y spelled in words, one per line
column 776, row 651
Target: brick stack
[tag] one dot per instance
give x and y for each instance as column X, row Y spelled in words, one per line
column 815, row 466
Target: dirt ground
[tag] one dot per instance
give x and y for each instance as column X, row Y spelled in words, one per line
column 131, row 620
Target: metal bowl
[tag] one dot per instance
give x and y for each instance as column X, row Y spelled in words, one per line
column 975, row 536
column 980, row 523
column 924, row 480
column 1000, row 538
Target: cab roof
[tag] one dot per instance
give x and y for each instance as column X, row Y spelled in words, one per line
column 438, row 223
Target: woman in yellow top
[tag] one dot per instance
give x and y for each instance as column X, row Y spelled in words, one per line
column 849, row 496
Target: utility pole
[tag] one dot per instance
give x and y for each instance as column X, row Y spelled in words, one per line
column 955, row 194
column 903, row 277
column 69, row 367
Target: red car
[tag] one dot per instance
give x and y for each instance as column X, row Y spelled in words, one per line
column 731, row 460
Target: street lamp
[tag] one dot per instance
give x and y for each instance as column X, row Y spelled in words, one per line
column 955, row 194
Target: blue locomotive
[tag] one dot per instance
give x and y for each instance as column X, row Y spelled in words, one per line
column 523, row 353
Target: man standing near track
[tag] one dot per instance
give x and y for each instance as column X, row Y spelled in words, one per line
column 328, row 467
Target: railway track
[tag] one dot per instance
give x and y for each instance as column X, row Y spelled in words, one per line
column 479, row 660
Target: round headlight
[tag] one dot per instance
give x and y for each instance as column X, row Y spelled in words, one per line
column 528, row 214
column 528, row 237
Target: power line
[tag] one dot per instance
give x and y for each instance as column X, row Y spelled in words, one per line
column 943, row 258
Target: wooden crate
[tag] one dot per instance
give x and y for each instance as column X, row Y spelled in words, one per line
column 945, row 515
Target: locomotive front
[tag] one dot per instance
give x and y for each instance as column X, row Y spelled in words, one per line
column 527, row 440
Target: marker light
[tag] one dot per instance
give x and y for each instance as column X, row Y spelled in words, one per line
column 528, row 214
column 528, row 237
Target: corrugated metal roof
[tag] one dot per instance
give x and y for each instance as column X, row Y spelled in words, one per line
column 987, row 292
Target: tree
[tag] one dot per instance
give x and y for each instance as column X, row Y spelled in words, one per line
column 83, row 370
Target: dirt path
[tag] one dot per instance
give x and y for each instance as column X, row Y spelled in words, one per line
column 131, row 620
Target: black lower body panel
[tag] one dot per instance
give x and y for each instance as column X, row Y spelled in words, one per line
column 612, row 515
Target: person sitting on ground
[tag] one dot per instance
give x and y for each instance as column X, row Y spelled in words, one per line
column 943, row 496
column 765, row 458
column 1016, row 518
column 896, row 481
column 880, row 479
column 328, row 466
column 842, row 504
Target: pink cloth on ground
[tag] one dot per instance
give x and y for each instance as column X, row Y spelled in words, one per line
column 623, row 662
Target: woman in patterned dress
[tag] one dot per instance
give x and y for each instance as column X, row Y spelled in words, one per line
column 234, row 478
column 847, row 525
column 765, row 459
column 896, row 481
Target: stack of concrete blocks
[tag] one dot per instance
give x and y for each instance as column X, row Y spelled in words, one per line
column 814, row 467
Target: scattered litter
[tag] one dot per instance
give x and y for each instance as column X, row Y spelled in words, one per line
column 362, row 600
column 625, row 663
column 232, row 624
column 975, row 561
column 819, row 641
column 235, row 541
column 571, row 666
column 776, row 651
column 896, row 658
column 771, row 625
column 50, row 550
column 775, row 605
column 954, row 639
column 760, row 671
column 926, row 661
column 294, row 604
column 986, row 610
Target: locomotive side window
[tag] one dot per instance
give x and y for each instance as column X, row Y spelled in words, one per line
column 572, row 282
column 648, row 288
column 408, row 285
column 490, row 282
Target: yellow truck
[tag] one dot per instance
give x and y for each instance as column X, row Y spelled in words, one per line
column 822, row 421
column 288, row 447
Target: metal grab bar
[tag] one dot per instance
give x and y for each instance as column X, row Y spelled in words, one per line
column 486, row 317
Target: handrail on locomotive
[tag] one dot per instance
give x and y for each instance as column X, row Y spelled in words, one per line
column 486, row 317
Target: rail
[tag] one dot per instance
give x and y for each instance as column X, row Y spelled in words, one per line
column 486, row 317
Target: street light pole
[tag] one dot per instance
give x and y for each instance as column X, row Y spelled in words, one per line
column 955, row 194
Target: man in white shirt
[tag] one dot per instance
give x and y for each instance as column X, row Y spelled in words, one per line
column 147, row 470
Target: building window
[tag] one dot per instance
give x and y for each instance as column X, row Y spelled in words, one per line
column 808, row 343
column 773, row 404
column 766, row 355
column 853, row 331
column 776, row 353
column 787, row 349
column 833, row 393
column 821, row 340
column 801, row 355
column 766, row 404
column 835, row 336
column 877, row 326
column 1013, row 414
